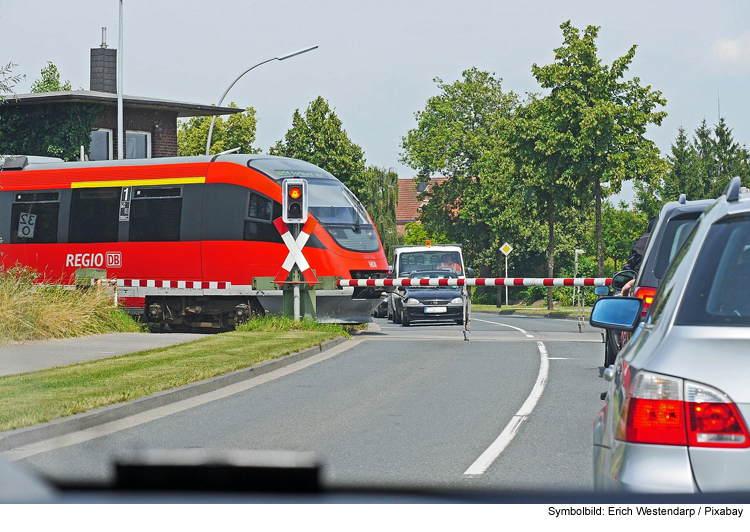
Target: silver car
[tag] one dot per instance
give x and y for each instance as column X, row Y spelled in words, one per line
column 675, row 416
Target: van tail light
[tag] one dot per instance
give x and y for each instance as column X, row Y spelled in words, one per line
column 656, row 412
column 646, row 293
column 713, row 419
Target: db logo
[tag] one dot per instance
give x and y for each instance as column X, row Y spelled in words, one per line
column 114, row 259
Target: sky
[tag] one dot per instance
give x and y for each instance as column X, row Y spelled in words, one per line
column 377, row 60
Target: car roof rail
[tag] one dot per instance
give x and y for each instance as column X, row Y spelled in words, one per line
column 732, row 191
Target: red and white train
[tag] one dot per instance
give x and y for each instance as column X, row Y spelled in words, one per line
column 185, row 236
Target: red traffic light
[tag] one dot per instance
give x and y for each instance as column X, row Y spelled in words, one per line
column 294, row 192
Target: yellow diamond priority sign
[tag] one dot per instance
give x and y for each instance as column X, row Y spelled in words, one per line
column 506, row 249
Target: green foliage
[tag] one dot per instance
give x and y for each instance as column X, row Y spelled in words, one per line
column 54, row 130
column 50, row 81
column 237, row 131
column 381, row 193
column 417, row 235
column 700, row 168
column 588, row 132
column 319, row 138
column 459, row 135
column 7, row 81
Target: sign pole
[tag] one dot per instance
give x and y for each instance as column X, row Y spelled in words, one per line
column 507, row 303
column 506, row 249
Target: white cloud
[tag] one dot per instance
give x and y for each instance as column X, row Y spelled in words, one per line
column 732, row 52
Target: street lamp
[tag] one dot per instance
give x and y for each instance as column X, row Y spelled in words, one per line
column 120, row 153
column 280, row 58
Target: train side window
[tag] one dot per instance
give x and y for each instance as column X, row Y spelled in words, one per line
column 94, row 215
column 261, row 211
column 259, row 207
column 155, row 214
column 34, row 218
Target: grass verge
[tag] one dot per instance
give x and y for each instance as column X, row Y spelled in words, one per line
column 32, row 398
column 563, row 312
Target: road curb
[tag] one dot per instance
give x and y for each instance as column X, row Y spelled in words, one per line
column 77, row 422
column 529, row 315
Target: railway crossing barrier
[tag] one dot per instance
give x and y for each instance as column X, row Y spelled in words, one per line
column 484, row 281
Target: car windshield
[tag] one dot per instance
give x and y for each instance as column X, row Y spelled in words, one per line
column 719, row 289
column 434, row 275
column 429, row 260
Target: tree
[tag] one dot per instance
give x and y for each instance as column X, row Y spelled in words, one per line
column 319, row 138
column 700, row 168
column 458, row 135
column 50, row 81
column 594, row 121
column 7, row 81
column 237, row 131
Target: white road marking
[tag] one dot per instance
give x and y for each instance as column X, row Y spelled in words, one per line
column 158, row 413
column 506, row 436
column 505, row 325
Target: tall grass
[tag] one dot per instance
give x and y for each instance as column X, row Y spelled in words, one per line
column 30, row 311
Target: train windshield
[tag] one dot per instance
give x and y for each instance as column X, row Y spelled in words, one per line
column 332, row 204
column 342, row 215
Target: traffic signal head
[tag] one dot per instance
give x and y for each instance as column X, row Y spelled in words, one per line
column 294, row 201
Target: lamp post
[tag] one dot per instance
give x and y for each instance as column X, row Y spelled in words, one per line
column 120, row 154
column 279, row 58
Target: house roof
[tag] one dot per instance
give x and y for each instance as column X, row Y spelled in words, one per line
column 184, row 109
column 407, row 208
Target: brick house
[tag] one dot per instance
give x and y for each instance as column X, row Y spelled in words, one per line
column 408, row 205
column 150, row 124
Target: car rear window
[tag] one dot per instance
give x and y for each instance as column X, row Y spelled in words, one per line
column 675, row 233
column 719, row 289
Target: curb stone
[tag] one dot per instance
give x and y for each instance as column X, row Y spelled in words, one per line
column 85, row 420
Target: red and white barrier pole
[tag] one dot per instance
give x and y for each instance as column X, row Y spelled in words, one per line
column 480, row 281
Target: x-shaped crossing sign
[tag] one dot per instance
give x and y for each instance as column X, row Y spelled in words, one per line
column 295, row 255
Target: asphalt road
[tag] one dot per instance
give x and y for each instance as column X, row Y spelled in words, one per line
column 403, row 406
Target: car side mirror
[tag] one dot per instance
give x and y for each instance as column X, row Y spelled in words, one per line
column 622, row 278
column 601, row 290
column 470, row 273
column 617, row 313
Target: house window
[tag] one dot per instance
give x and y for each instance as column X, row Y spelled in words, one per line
column 34, row 218
column 101, row 145
column 137, row 145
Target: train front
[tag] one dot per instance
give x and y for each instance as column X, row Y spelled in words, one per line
column 343, row 243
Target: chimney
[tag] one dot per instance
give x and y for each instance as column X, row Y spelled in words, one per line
column 103, row 67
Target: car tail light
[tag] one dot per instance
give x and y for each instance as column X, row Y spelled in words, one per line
column 655, row 412
column 646, row 293
column 713, row 419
